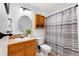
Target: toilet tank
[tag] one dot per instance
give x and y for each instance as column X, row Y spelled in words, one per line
column 40, row 40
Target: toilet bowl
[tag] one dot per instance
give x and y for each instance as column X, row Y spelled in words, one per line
column 46, row 49
column 43, row 47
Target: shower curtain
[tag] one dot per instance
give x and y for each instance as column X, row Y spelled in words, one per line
column 61, row 32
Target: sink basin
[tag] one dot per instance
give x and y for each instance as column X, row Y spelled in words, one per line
column 21, row 39
column 40, row 38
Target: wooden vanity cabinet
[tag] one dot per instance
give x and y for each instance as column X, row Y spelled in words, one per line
column 27, row 48
column 39, row 21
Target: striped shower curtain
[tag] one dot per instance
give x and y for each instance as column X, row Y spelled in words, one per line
column 61, row 32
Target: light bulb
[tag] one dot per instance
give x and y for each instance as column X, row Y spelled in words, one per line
column 21, row 10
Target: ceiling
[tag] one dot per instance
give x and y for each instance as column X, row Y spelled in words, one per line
column 47, row 8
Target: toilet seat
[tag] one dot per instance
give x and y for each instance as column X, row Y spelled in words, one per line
column 46, row 48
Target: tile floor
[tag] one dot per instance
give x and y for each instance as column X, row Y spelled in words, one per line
column 49, row 54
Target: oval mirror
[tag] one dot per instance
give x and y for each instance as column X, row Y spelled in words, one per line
column 24, row 23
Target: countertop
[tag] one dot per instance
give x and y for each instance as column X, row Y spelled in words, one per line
column 13, row 41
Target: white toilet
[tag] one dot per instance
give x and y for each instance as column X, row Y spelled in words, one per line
column 44, row 47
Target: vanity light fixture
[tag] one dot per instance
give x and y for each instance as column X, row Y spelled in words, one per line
column 25, row 9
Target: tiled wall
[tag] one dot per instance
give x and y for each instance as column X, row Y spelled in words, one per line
column 61, row 32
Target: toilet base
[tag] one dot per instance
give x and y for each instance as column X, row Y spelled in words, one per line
column 45, row 53
column 43, row 49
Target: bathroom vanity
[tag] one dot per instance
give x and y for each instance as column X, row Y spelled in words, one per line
column 22, row 47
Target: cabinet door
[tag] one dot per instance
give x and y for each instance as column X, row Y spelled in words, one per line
column 30, row 48
column 37, row 20
column 41, row 20
column 30, row 51
column 17, row 49
column 18, row 52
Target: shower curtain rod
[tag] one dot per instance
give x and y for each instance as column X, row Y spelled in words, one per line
column 63, row 10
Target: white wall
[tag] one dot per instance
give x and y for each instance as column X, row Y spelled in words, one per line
column 3, row 29
column 15, row 14
column 55, row 8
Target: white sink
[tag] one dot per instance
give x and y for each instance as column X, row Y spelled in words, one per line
column 22, row 39
column 40, row 38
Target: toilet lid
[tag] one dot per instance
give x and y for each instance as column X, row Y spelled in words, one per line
column 44, row 46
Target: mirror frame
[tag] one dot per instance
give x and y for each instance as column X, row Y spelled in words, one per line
column 21, row 20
